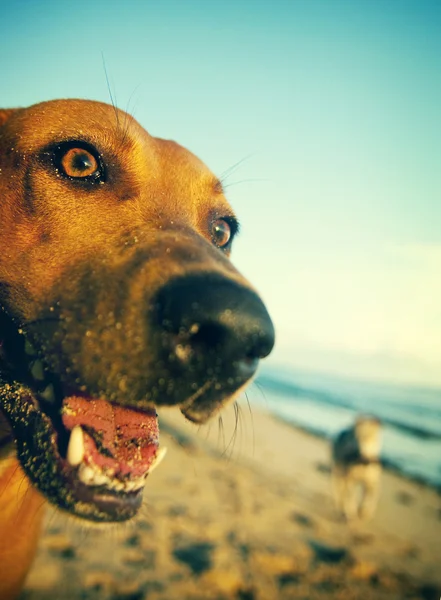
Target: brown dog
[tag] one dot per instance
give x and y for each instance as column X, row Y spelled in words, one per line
column 117, row 295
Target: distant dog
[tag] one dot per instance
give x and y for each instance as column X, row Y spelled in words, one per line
column 117, row 295
column 356, row 468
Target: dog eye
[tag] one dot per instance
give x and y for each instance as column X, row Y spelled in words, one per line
column 221, row 233
column 78, row 160
column 79, row 163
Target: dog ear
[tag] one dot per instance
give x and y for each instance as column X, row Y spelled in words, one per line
column 5, row 113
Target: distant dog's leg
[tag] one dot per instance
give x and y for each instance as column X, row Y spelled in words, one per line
column 370, row 493
column 351, row 498
column 339, row 489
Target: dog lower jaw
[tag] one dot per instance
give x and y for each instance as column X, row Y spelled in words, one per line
column 69, row 488
column 99, row 504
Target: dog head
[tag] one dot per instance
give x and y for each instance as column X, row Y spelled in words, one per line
column 368, row 434
column 117, row 296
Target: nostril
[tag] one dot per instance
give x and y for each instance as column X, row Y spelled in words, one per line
column 199, row 341
column 207, row 336
column 212, row 321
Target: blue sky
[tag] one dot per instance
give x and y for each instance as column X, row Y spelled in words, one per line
column 332, row 109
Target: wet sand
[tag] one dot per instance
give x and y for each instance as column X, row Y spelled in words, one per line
column 246, row 513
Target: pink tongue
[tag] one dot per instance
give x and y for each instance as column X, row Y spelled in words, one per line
column 120, row 439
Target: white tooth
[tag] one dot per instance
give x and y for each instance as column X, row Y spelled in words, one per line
column 117, row 485
column 136, row 484
column 139, row 483
column 48, row 393
column 158, row 459
column 100, row 479
column 37, row 370
column 75, row 449
column 86, row 474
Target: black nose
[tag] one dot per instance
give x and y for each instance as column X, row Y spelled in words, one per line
column 216, row 323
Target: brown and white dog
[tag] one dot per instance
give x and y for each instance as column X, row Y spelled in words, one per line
column 117, row 295
column 356, row 468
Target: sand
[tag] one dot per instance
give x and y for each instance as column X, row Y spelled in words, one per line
column 246, row 513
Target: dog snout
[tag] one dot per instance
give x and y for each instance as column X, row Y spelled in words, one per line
column 214, row 324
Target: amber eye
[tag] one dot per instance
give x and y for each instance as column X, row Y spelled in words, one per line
column 79, row 163
column 221, row 233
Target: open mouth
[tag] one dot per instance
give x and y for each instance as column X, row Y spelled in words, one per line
column 86, row 455
column 110, row 447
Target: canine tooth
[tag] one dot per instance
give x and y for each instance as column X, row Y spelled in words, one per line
column 37, row 370
column 75, row 449
column 158, row 458
column 86, row 474
column 48, row 393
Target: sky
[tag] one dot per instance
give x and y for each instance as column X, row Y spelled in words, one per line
column 324, row 120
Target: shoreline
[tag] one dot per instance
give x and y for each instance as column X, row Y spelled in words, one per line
column 387, row 464
column 341, row 406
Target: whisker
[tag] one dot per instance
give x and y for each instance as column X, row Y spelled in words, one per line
column 127, row 113
column 221, row 432
column 112, row 99
column 235, row 430
column 262, row 392
column 233, row 168
column 232, row 441
column 240, row 427
column 252, row 421
column 227, row 185
column 146, row 512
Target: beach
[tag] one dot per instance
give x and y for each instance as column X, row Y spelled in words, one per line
column 243, row 510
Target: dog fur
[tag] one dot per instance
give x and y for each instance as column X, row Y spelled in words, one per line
column 356, row 468
column 117, row 295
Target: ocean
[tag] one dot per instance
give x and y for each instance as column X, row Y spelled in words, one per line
column 325, row 404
